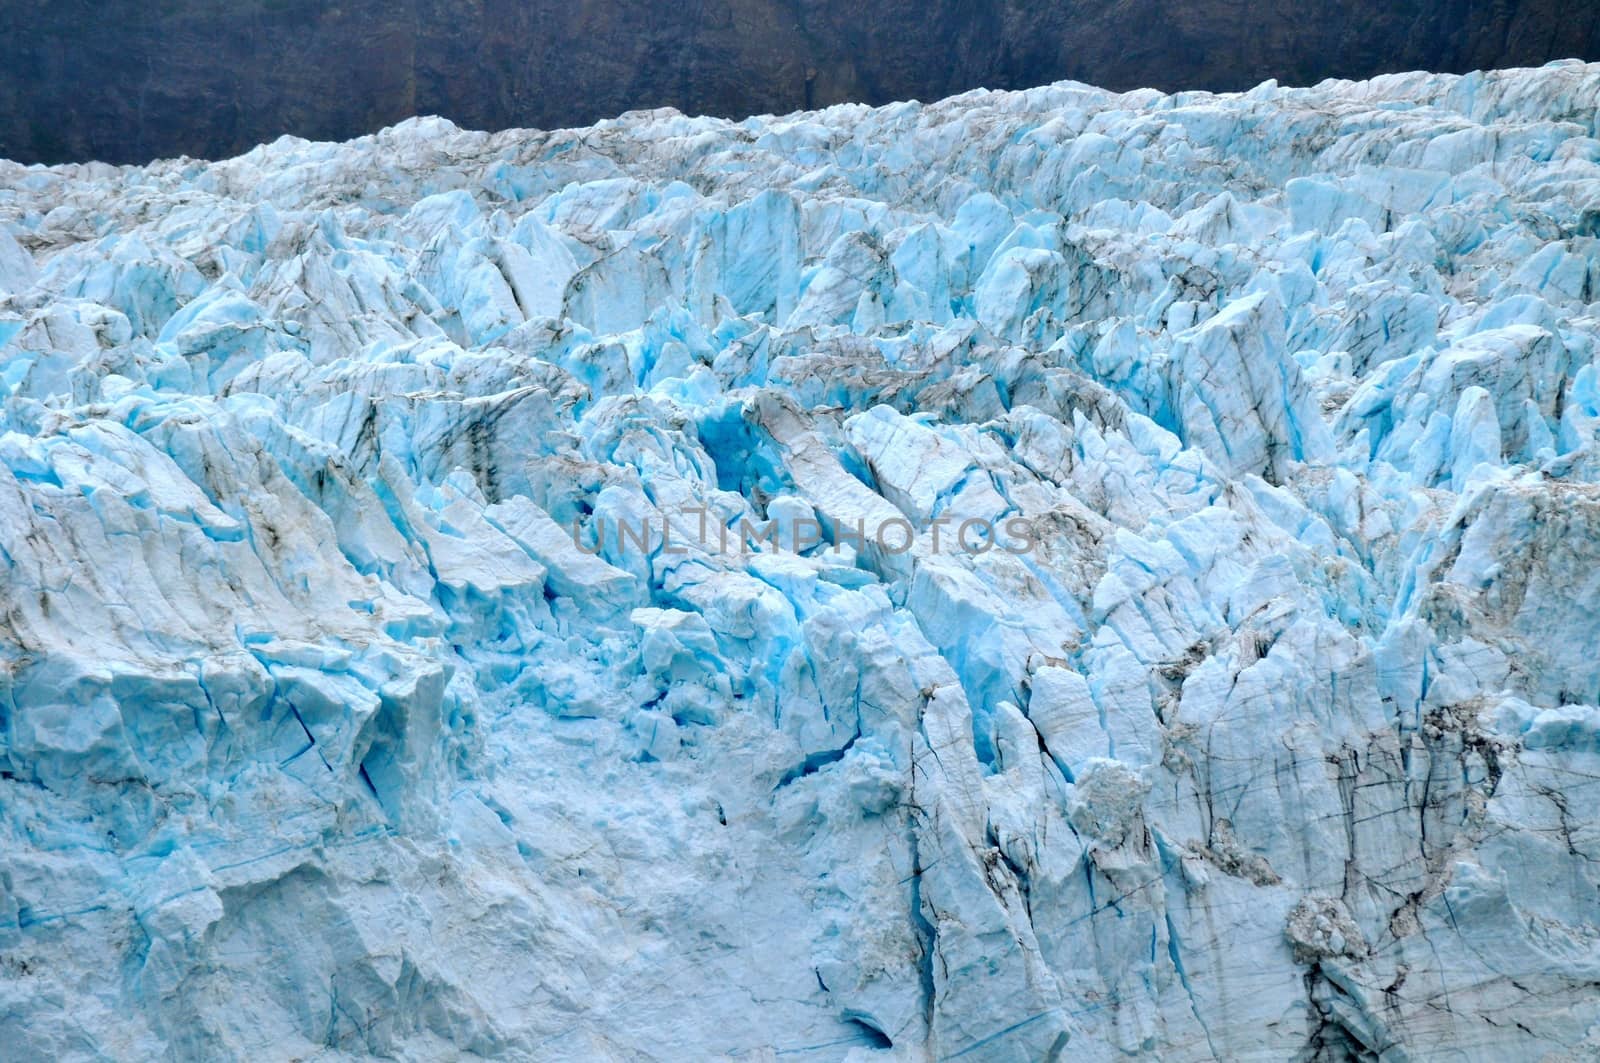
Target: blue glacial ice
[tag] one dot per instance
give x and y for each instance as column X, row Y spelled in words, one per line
column 342, row 719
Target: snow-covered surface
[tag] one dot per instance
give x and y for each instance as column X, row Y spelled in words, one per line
column 322, row 740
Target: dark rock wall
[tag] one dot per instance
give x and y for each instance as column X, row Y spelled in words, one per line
column 129, row 80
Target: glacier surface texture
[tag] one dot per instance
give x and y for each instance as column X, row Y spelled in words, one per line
column 324, row 737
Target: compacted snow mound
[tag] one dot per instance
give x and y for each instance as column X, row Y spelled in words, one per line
column 1131, row 586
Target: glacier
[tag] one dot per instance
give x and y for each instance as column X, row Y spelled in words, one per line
column 337, row 722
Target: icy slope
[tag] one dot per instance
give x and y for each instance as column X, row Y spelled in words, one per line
column 1264, row 725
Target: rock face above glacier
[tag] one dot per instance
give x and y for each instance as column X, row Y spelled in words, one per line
column 128, row 83
column 338, row 721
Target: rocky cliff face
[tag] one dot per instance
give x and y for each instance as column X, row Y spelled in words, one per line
column 129, row 82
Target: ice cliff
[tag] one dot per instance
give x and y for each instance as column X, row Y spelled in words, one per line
column 338, row 722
